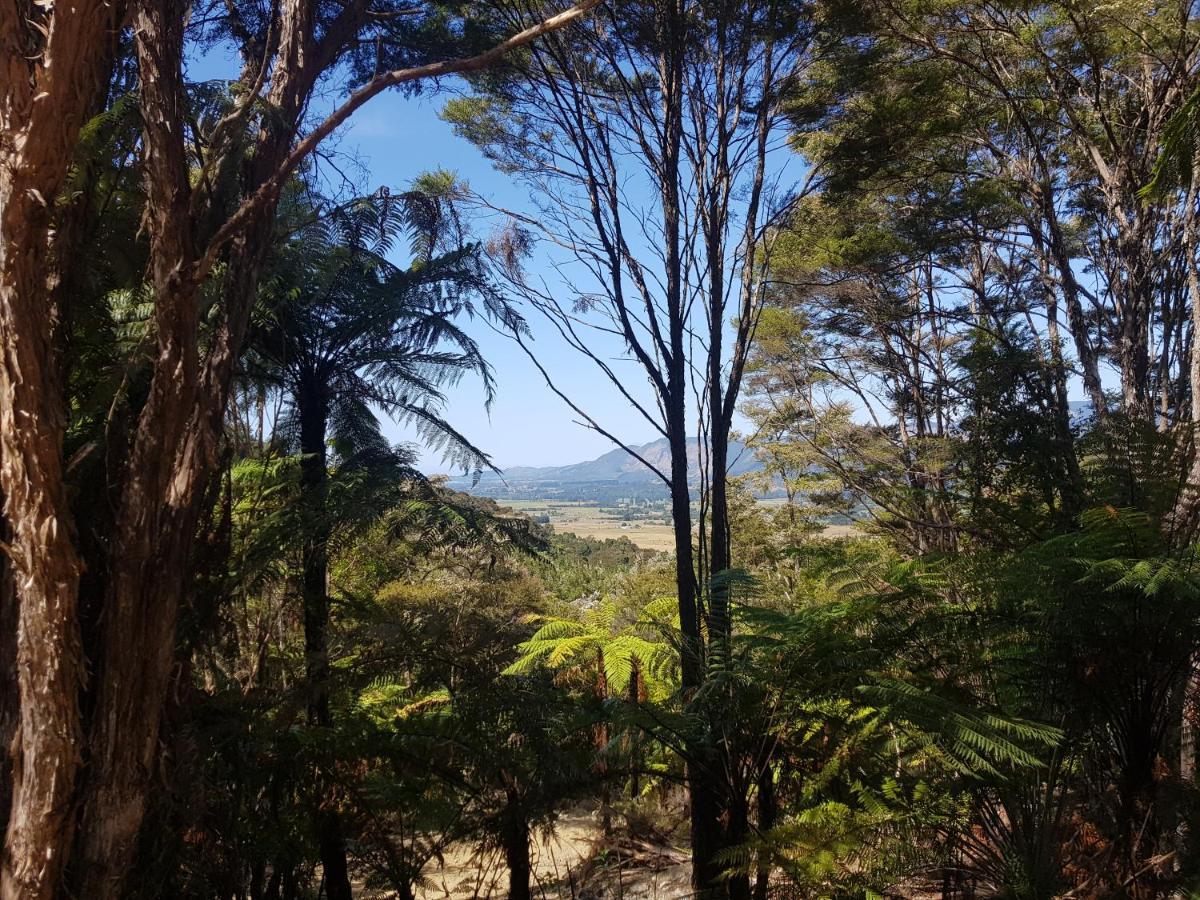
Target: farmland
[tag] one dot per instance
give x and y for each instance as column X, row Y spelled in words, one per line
column 648, row 524
column 645, row 523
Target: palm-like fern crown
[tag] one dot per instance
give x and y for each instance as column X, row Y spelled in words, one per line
column 347, row 328
column 622, row 643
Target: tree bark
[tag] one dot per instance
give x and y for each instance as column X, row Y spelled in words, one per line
column 174, row 449
column 1183, row 517
column 1076, row 317
column 51, row 62
column 515, row 838
column 171, row 458
column 705, row 805
column 313, row 408
column 10, row 691
column 767, row 812
column 601, row 734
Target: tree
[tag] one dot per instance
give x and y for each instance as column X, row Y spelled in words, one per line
column 59, row 64
column 649, row 143
column 352, row 331
column 1065, row 113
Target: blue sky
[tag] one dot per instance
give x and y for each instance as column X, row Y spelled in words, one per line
column 396, row 138
column 391, row 141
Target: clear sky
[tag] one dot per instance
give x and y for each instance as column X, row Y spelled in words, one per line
column 391, row 141
column 396, row 138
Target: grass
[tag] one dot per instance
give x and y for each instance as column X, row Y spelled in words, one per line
column 593, row 521
column 590, row 520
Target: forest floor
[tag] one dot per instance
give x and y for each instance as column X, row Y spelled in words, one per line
column 573, row 860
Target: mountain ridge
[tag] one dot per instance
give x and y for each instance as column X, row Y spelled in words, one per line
column 615, row 468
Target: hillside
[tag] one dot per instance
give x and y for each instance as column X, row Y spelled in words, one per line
column 611, row 475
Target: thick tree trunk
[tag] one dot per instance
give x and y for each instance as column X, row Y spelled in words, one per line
column 172, row 455
column 171, row 459
column 737, row 830
column 10, row 691
column 51, row 62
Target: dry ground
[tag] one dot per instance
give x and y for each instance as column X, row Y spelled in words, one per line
column 586, row 520
column 573, row 862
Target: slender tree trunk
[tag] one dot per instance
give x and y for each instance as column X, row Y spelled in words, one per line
column 1076, row 317
column 701, row 769
column 767, row 812
column 720, row 621
column 1187, row 726
column 515, row 838
column 1183, row 518
column 313, row 407
column 602, row 738
column 635, row 699
column 1071, row 491
column 731, row 799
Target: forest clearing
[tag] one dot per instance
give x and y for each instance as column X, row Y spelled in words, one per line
column 599, row 449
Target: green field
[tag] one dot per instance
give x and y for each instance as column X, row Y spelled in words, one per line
column 590, row 520
column 654, row 532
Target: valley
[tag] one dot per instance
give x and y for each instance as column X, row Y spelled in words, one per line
column 647, row 524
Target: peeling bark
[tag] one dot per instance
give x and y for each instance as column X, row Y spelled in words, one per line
column 51, row 61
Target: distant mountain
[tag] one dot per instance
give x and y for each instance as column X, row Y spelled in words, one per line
column 612, row 474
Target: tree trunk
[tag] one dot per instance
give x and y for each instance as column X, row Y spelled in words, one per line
column 737, row 830
column 313, row 412
column 602, row 738
column 635, row 699
column 169, row 463
column 1071, row 490
column 171, row 459
column 766, row 821
column 10, row 694
column 730, row 799
column 1183, row 517
column 313, row 407
column 1076, row 317
column 52, row 61
column 514, row 835
column 701, row 772
column 1187, row 723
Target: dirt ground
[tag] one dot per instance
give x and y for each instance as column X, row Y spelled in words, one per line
column 572, row 862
